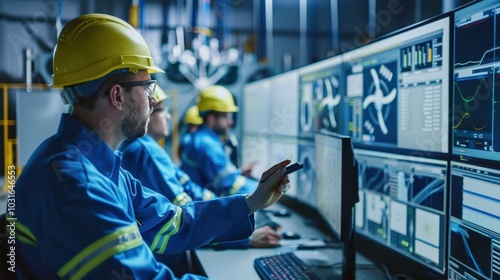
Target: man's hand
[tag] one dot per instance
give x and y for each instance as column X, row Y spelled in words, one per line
column 272, row 186
column 265, row 237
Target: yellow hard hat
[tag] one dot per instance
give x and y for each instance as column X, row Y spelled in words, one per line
column 93, row 45
column 216, row 98
column 160, row 94
column 192, row 116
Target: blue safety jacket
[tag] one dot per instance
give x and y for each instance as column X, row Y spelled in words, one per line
column 78, row 214
column 149, row 163
column 185, row 139
column 153, row 166
column 207, row 163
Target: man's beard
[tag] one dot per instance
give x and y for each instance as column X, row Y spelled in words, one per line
column 133, row 126
column 134, row 129
column 219, row 129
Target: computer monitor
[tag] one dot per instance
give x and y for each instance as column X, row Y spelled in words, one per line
column 397, row 91
column 320, row 96
column 476, row 102
column 336, row 191
column 255, row 152
column 284, row 108
column 322, row 81
column 256, row 103
column 403, row 205
column 474, row 240
column 474, row 229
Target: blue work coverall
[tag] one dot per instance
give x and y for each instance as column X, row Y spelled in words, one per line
column 148, row 162
column 207, row 163
column 153, row 166
column 80, row 215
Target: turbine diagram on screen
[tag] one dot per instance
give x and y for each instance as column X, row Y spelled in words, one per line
column 379, row 99
column 329, row 99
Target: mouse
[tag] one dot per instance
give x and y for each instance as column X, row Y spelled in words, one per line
column 281, row 213
column 288, row 234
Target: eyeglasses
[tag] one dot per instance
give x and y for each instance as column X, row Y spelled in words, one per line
column 149, row 85
column 158, row 110
column 228, row 116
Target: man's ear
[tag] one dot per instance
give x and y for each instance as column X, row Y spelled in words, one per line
column 115, row 95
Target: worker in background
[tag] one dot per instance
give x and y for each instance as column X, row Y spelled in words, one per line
column 204, row 157
column 79, row 214
column 192, row 121
column 147, row 161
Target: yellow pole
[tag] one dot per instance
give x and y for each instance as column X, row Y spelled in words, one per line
column 5, row 92
column 8, row 144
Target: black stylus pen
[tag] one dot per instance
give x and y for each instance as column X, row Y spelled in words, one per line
column 289, row 169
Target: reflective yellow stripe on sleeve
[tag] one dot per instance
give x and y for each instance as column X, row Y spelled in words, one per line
column 208, row 195
column 182, row 199
column 23, row 233
column 170, row 228
column 96, row 253
column 184, row 179
column 230, row 169
column 238, row 184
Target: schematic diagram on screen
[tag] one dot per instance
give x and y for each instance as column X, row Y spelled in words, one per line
column 328, row 98
column 380, row 103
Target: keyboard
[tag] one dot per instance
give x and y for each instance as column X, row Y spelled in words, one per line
column 283, row 266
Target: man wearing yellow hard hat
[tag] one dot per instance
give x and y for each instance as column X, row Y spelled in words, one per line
column 204, row 157
column 192, row 121
column 79, row 214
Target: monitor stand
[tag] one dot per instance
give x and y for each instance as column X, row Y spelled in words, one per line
column 349, row 257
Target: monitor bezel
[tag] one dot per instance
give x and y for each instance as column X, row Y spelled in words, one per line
column 460, row 157
column 449, row 16
column 349, row 187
